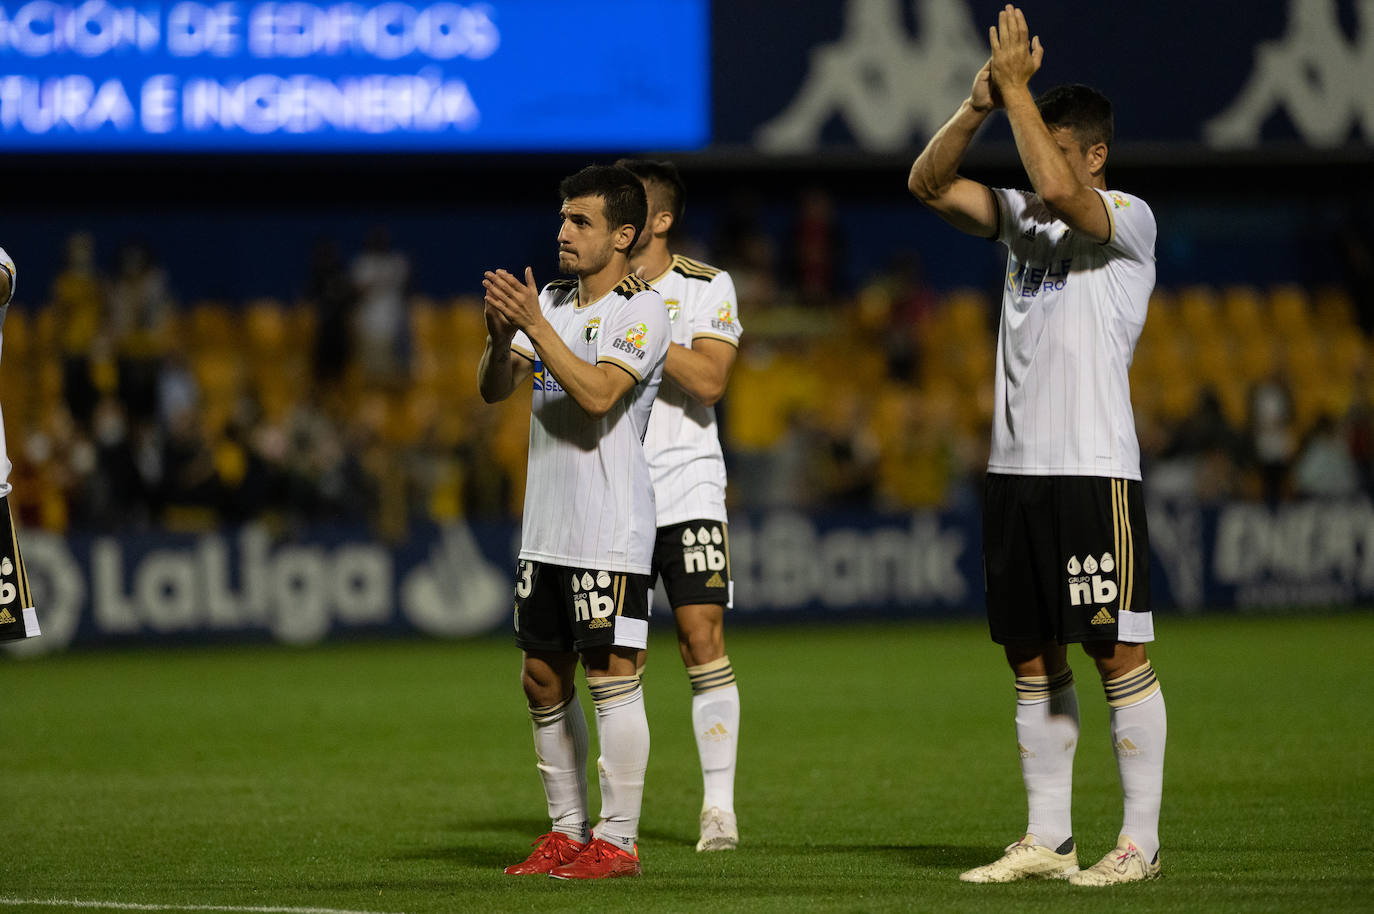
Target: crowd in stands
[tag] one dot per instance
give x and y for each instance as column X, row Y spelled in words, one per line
column 127, row 409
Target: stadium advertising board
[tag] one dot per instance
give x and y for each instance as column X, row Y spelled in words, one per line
column 395, row 75
column 455, row 581
column 883, row 75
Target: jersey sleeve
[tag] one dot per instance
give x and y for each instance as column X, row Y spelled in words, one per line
column 637, row 335
column 1012, row 206
column 521, row 345
column 717, row 317
column 1133, row 225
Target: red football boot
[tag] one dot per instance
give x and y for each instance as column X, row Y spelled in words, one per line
column 599, row 860
column 550, row 850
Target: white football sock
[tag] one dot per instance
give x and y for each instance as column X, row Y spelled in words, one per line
column 560, row 747
column 1139, row 730
column 1046, row 737
column 623, row 733
column 715, row 720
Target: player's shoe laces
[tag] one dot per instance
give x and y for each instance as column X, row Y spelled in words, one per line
column 599, row 860
column 719, row 831
column 550, row 850
column 1026, row 860
column 1124, row 863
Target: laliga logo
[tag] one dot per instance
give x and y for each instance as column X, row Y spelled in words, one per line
column 1086, row 585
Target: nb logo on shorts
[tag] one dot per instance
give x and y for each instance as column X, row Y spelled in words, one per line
column 1086, row 585
column 590, row 605
column 699, row 552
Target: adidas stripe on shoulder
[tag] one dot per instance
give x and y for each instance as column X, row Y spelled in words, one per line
column 694, row 269
column 631, row 286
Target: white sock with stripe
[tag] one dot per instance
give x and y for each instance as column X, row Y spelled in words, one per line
column 560, row 748
column 623, row 733
column 715, row 720
column 1139, row 728
column 1046, row 737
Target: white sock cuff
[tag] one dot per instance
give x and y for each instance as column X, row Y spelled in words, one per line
column 609, row 691
column 552, row 713
column 1035, row 689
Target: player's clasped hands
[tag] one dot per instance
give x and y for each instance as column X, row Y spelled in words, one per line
column 510, row 301
column 1015, row 55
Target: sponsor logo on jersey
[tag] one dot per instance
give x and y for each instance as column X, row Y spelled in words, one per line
column 674, row 308
column 1118, row 201
column 725, row 317
column 1088, row 586
column 1029, row 280
column 633, row 341
column 8, row 591
column 544, row 379
column 591, row 330
column 700, row 552
column 590, row 603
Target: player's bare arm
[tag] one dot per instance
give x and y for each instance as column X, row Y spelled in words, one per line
column 703, row 370
column 500, row 370
column 595, row 388
column 935, row 180
column 1016, row 56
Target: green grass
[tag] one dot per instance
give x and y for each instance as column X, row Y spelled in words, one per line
column 876, row 763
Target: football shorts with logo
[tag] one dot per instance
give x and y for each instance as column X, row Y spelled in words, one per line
column 693, row 559
column 1066, row 559
column 564, row 609
column 17, row 617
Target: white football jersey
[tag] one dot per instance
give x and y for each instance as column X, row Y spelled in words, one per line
column 1072, row 311
column 683, row 442
column 589, row 498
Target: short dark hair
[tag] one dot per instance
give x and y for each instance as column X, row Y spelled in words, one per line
column 1082, row 109
column 666, row 176
column 620, row 190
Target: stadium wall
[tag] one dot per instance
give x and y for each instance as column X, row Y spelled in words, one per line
column 454, row 582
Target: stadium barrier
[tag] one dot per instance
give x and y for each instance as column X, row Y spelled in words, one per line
column 455, row 581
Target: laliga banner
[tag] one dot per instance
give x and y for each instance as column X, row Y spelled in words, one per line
column 240, row 75
column 457, row 581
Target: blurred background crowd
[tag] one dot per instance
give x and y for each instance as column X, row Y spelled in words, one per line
column 350, row 399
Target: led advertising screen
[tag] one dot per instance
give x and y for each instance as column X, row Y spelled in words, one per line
column 402, row 75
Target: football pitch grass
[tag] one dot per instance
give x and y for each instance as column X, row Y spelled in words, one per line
column 876, row 763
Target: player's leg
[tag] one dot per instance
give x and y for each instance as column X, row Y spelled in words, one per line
column 1018, row 548
column 611, row 629
column 694, row 561
column 1139, row 731
column 715, row 719
column 560, row 729
column 18, row 619
column 1108, row 573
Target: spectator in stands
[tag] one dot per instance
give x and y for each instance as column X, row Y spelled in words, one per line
column 382, row 277
column 78, row 303
column 1272, row 434
column 1325, row 468
column 331, row 292
column 817, row 250
column 141, row 312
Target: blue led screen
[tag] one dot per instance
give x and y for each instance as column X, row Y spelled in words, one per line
column 409, row 75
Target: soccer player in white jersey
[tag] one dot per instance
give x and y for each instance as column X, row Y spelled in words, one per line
column 1064, row 539
column 594, row 347
column 18, row 619
column 692, row 552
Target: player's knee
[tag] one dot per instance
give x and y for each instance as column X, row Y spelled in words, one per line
column 702, row 644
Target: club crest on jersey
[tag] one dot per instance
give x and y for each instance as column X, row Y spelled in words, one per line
column 674, row 308
column 1089, row 580
column 699, row 549
column 591, row 330
column 725, row 317
column 632, row 343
